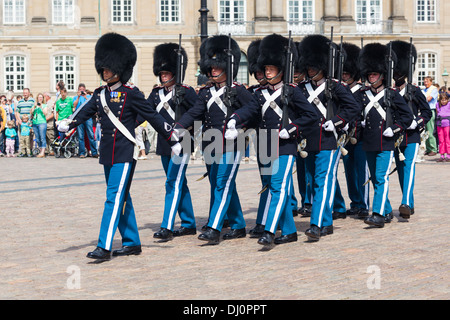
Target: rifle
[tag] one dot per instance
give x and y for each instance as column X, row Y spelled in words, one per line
column 288, row 78
column 229, row 93
column 178, row 89
column 388, row 99
column 341, row 60
column 329, row 80
column 410, row 92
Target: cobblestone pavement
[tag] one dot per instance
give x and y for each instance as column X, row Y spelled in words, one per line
column 51, row 211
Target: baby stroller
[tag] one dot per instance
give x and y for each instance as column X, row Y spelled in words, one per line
column 66, row 147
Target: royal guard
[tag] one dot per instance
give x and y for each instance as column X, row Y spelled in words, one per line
column 335, row 107
column 386, row 117
column 118, row 105
column 171, row 100
column 224, row 107
column 284, row 114
column 406, row 169
column 253, row 67
column 355, row 163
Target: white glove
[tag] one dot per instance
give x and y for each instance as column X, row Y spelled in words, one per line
column 413, row 125
column 388, row 133
column 231, row 124
column 328, row 126
column 231, row 134
column 363, row 123
column 176, row 148
column 284, row 134
column 179, row 133
column 63, row 126
column 346, row 127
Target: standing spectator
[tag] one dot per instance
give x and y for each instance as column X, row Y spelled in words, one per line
column 25, row 132
column 2, row 127
column 431, row 93
column 23, row 108
column 78, row 102
column 39, row 116
column 50, row 134
column 64, row 109
column 443, row 127
column 59, row 86
column 10, row 134
column 12, row 103
column 139, row 139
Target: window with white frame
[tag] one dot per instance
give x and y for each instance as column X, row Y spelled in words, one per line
column 426, row 10
column 169, row 11
column 122, row 11
column 15, row 72
column 242, row 75
column 232, row 17
column 426, row 66
column 300, row 16
column 368, row 11
column 300, row 10
column 63, row 11
column 64, row 70
column 13, row 11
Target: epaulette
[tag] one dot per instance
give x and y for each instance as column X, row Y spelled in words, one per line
column 186, row 86
column 293, row 85
column 129, row 85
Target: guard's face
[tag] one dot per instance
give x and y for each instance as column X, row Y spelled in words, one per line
column 346, row 77
column 272, row 73
column 373, row 77
column 218, row 74
column 314, row 73
column 166, row 77
column 259, row 75
column 109, row 76
column 299, row 76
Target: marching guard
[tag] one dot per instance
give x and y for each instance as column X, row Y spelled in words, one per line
column 336, row 107
column 355, row 163
column 386, row 116
column 406, row 169
column 279, row 102
column 118, row 104
column 171, row 100
column 224, row 107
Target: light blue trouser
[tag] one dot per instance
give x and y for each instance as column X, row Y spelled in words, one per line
column 406, row 172
column 280, row 193
column 356, row 174
column 114, row 216
column 225, row 198
column 178, row 198
column 380, row 166
column 322, row 167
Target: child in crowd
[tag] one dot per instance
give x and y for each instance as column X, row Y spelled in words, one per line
column 25, row 145
column 443, row 127
column 10, row 134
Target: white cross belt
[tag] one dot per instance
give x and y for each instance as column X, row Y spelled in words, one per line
column 164, row 103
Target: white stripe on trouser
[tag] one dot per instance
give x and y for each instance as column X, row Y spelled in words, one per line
column 411, row 175
column 333, row 188
column 325, row 188
column 266, row 208
column 177, row 191
column 282, row 196
column 116, row 207
column 367, row 186
column 227, row 188
column 386, row 185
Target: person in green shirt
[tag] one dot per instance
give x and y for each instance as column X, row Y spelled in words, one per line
column 39, row 114
column 64, row 108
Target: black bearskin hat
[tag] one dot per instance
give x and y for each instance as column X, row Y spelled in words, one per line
column 314, row 50
column 212, row 53
column 373, row 58
column 116, row 53
column 351, row 63
column 300, row 64
column 401, row 49
column 272, row 51
column 252, row 57
column 165, row 58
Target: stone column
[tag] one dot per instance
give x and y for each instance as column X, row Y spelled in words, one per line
column 346, row 17
column 330, row 11
column 399, row 22
column 261, row 10
column 277, row 10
